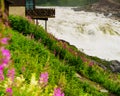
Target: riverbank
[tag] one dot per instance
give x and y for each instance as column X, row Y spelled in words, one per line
column 110, row 8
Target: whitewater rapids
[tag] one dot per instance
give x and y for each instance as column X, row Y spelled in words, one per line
column 92, row 33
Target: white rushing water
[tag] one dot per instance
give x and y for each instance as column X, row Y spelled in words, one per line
column 93, row 33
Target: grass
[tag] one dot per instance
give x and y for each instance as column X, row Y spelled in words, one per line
column 28, row 59
column 77, row 61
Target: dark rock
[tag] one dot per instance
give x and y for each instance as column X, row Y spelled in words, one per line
column 76, row 9
column 115, row 66
column 108, row 14
column 112, row 68
column 101, row 65
column 118, row 14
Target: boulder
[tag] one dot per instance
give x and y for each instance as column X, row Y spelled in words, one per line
column 115, row 66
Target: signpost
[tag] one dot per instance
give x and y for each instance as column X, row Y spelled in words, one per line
column 35, row 13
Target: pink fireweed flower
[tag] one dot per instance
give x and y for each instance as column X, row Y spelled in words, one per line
column 1, row 67
column 1, row 75
column 4, row 40
column 5, row 62
column 84, row 59
column 91, row 64
column 5, row 53
column 9, row 91
column 44, row 78
column 11, row 74
column 57, row 92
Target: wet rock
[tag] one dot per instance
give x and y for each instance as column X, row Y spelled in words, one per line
column 117, row 14
column 115, row 66
column 91, row 32
column 102, row 66
column 108, row 15
column 77, row 9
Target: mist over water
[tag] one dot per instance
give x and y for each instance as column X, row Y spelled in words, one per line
column 92, row 33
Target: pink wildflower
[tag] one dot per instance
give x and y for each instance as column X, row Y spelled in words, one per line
column 1, row 67
column 9, row 91
column 57, row 92
column 11, row 74
column 84, row 59
column 4, row 40
column 6, row 53
column 44, row 78
column 91, row 64
column 5, row 62
column 1, row 75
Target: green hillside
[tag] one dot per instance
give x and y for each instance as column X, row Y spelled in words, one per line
column 35, row 63
column 30, row 56
column 35, row 52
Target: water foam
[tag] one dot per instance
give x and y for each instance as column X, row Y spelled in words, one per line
column 94, row 33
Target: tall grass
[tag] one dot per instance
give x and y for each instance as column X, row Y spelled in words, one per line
column 28, row 59
column 68, row 54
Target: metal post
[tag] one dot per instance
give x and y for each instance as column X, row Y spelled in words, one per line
column 45, row 25
column 36, row 21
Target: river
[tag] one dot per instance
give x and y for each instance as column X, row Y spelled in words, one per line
column 92, row 33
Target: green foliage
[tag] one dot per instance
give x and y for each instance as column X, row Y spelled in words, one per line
column 23, row 24
column 67, row 54
column 28, row 59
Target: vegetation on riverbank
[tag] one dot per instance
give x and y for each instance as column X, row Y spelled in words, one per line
column 36, row 60
column 69, row 55
column 33, row 63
